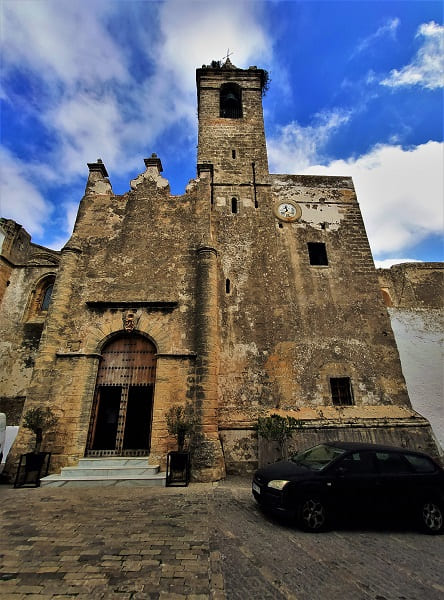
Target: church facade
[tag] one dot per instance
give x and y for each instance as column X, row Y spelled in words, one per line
column 251, row 294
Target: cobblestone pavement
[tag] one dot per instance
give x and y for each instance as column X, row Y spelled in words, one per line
column 204, row 541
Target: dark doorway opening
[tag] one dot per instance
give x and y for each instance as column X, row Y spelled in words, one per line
column 138, row 416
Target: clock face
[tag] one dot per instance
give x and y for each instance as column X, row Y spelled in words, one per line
column 287, row 210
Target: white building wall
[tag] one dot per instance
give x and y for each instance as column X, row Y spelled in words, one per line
column 419, row 334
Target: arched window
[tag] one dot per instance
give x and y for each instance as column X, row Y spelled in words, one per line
column 41, row 297
column 46, row 297
column 230, row 101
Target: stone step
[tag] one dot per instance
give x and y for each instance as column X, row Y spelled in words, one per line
column 119, row 461
column 159, row 479
column 108, row 471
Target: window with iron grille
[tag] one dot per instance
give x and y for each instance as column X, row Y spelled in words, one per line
column 341, row 391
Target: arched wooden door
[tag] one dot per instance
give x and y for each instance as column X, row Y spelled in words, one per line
column 123, row 401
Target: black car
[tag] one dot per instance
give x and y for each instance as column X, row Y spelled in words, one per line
column 345, row 478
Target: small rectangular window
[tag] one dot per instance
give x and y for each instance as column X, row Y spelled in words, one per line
column 233, row 154
column 341, row 391
column 317, row 253
column 234, row 207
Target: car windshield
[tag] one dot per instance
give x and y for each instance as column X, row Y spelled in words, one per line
column 318, row 457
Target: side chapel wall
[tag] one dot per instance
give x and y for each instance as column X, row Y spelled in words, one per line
column 23, row 268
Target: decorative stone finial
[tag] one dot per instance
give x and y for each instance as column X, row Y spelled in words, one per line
column 98, row 182
column 98, row 166
column 154, row 161
column 153, row 173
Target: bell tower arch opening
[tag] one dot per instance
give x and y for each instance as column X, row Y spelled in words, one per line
column 230, row 101
column 122, row 409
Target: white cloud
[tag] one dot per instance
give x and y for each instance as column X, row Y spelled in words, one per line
column 20, row 198
column 400, row 193
column 22, row 201
column 61, row 40
column 197, row 32
column 94, row 105
column 427, row 67
column 87, row 127
column 387, row 29
column 295, row 147
column 389, row 262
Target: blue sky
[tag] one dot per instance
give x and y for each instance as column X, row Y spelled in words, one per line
column 356, row 89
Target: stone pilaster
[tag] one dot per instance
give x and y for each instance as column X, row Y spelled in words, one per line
column 208, row 460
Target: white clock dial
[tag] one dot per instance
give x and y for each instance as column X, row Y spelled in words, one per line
column 287, row 210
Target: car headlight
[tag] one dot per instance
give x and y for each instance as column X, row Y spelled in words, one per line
column 277, row 484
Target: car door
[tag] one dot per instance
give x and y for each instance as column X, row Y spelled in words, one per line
column 395, row 481
column 353, row 483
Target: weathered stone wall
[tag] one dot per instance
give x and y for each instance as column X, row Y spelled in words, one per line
column 288, row 326
column 413, row 285
column 143, row 257
column 13, row 409
column 398, row 427
column 5, row 276
column 22, row 266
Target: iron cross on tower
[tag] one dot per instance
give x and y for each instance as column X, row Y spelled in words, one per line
column 225, row 58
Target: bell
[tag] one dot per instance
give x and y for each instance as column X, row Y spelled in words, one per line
column 230, row 97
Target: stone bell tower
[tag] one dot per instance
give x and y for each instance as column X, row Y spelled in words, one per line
column 231, row 123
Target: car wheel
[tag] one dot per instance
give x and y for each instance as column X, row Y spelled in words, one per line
column 312, row 514
column 432, row 516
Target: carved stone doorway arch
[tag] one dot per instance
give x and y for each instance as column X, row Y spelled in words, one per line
column 122, row 410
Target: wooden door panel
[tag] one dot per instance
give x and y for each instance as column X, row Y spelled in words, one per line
column 128, row 365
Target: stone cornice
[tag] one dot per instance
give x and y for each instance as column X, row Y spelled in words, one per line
column 126, row 304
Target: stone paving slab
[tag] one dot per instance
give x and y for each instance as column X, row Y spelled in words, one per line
column 204, row 541
column 103, row 543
